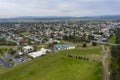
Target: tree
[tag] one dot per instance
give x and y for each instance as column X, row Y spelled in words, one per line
column 84, row 45
column 12, row 43
column 94, row 43
column 13, row 52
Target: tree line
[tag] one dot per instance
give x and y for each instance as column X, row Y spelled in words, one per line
column 115, row 61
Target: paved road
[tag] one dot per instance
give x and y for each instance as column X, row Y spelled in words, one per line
column 100, row 42
column 105, row 63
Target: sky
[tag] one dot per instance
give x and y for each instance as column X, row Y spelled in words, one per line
column 78, row 8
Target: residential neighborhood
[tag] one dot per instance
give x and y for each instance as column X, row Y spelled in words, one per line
column 87, row 40
column 28, row 40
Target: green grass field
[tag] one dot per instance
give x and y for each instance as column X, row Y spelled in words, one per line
column 112, row 39
column 93, row 53
column 56, row 66
column 25, row 33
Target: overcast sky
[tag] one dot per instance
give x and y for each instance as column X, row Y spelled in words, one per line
column 13, row 8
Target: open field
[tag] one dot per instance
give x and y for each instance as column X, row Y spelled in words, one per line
column 93, row 53
column 56, row 66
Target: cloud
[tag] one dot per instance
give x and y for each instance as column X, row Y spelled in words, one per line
column 11, row 8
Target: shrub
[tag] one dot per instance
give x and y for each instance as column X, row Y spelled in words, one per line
column 94, row 43
column 84, row 45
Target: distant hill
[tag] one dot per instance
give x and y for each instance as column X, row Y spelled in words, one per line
column 102, row 17
column 39, row 18
column 61, row 17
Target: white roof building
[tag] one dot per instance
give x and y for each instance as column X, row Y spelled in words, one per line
column 62, row 47
column 38, row 53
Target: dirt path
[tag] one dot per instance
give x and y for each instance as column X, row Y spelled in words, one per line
column 105, row 63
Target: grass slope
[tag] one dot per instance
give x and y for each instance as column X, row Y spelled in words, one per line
column 55, row 66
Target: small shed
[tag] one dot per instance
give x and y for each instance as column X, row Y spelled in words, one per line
column 27, row 49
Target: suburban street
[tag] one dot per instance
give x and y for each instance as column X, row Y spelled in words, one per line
column 107, row 43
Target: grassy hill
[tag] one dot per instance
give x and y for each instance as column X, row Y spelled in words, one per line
column 58, row 66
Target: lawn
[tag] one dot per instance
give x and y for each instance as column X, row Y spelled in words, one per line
column 112, row 39
column 56, row 66
column 5, row 49
column 41, row 46
column 25, row 33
